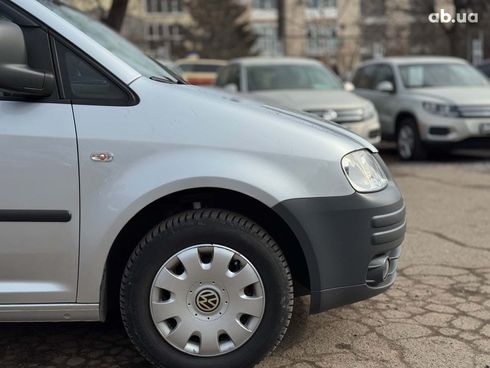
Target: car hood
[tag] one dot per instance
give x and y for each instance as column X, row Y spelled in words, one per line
column 224, row 119
column 297, row 116
column 308, row 100
column 456, row 95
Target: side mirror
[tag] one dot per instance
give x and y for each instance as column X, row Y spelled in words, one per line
column 231, row 87
column 16, row 76
column 386, row 87
column 349, row 86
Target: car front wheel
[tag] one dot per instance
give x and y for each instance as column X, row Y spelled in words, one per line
column 409, row 144
column 206, row 288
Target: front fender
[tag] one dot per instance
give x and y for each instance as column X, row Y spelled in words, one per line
column 119, row 192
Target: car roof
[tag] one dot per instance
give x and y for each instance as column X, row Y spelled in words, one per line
column 415, row 60
column 249, row 61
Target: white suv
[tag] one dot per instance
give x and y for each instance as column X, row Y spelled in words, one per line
column 427, row 103
column 122, row 188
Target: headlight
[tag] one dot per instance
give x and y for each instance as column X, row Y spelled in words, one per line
column 368, row 112
column 363, row 172
column 441, row 109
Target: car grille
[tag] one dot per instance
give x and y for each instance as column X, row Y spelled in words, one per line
column 343, row 115
column 474, row 111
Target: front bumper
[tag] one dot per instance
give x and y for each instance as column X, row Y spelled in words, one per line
column 439, row 129
column 370, row 129
column 341, row 237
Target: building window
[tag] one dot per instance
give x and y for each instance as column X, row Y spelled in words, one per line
column 164, row 6
column 151, row 32
column 264, row 4
column 318, row 4
column 164, row 32
column 174, row 33
column 267, row 43
column 322, row 39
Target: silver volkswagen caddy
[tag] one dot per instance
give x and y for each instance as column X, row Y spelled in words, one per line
column 199, row 216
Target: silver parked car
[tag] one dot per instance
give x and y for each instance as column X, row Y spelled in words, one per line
column 427, row 103
column 192, row 213
column 303, row 85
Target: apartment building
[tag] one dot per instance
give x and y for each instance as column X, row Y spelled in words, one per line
column 386, row 27
column 156, row 26
column 402, row 28
column 299, row 28
column 310, row 26
column 162, row 28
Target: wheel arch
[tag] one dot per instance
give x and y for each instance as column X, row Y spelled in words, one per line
column 136, row 228
column 401, row 116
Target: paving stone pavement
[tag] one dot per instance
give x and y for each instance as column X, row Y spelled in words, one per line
column 436, row 315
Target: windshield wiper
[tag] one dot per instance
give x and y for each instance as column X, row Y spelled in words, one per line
column 167, row 80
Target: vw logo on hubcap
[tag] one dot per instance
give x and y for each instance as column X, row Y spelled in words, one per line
column 207, row 301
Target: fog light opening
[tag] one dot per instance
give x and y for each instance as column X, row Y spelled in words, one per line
column 439, row 131
column 386, row 268
column 378, row 270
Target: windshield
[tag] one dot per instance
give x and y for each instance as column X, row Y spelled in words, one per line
column 294, row 76
column 110, row 40
column 441, row 75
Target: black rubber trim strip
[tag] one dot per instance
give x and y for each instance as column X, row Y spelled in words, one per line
column 393, row 235
column 17, row 16
column 133, row 98
column 35, row 216
column 389, row 219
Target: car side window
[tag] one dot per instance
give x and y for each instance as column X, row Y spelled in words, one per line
column 84, row 83
column 364, row 77
column 38, row 52
column 384, row 73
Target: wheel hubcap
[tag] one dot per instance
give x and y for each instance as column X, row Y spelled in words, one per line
column 406, row 142
column 207, row 300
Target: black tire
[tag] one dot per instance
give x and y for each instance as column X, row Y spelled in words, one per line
column 206, row 226
column 413, row 150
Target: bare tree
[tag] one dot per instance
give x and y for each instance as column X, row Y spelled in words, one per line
column 458, row 33
column 455, row 35
column 116, row 14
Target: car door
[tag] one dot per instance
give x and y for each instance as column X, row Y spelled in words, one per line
column 39, row 186
column 384, row 100
column 102, row 109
